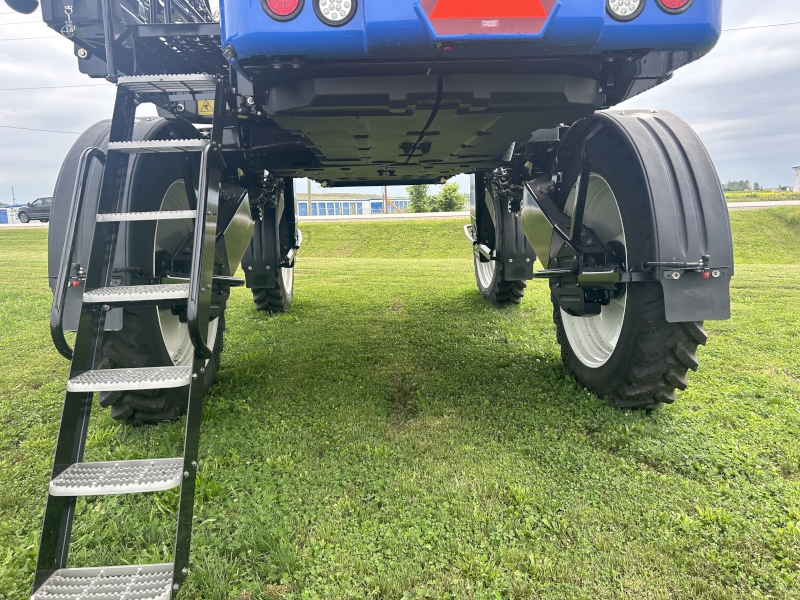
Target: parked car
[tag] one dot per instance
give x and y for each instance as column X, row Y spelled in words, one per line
column 38, row 209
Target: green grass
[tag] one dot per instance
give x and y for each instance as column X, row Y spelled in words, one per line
column 395, row 437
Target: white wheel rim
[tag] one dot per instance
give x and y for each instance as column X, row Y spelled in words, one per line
column 594, row 339
column 168, row 236
column 485, row 272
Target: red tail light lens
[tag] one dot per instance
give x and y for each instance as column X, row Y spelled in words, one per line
column 282, row 10
column 674, row 7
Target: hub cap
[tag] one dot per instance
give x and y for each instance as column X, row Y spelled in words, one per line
column 594, row 339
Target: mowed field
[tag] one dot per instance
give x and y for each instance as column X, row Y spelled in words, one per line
column 395, row 437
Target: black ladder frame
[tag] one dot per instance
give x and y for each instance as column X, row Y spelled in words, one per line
column 60, row 511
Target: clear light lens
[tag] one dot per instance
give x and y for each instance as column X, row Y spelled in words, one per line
column 625, row 8
column 335, row 10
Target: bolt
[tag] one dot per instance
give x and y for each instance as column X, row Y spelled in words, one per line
column 185, row 570
column 249, row 268
column 176, row 587
column 194, row 464
column 106, row 307
column 180, row 107
column 268, row 267
column 676, row 275
column 186, row 474
column 510, row 260
column 202, row 369
column 250, row 101
column 82, row 53
column 527, row 260
column 715, row 273
column 194, row 376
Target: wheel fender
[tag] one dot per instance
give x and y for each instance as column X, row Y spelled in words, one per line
column 689, row 213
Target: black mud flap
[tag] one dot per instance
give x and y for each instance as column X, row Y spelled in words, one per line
column 689, row 213
column 273, row 239
column 500, row 230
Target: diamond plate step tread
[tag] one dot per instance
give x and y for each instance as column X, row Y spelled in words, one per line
column 158, row 146
column 139, row 582
column 196, row 83
column 118, row 477
column 121, row 380
column 155, row 215
column 137, row 293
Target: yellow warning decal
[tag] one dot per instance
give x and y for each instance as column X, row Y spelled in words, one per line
column 205, row 107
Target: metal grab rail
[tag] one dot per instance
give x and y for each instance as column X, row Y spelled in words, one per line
column 198, row 309
column 60, row 292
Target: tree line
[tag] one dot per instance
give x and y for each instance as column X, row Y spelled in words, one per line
column 449, row 199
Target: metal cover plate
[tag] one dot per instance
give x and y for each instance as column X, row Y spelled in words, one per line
column 137, row 293
column 169, row 84
column 139, row 582
column 118, row 477
column 158, row 146
column 120, row 380
column 155, row 215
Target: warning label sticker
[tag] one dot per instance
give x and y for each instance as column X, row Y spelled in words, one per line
column 205, row 107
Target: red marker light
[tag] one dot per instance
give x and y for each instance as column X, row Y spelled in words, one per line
column 674, row 7
column 282, row 10
column 706, row 274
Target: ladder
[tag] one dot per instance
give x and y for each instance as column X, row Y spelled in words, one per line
column 71, row 477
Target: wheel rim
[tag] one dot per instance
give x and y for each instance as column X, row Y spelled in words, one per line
column 485, row 272
column 594, row 339
column 168, row 236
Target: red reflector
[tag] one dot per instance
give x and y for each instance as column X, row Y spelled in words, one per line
column 481, row 9
column 283, row 8
column 674, row 6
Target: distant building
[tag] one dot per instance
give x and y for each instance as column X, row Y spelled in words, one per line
column 335, row 207
column 796, row 187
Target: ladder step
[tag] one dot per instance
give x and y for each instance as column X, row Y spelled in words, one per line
column 155, row 215
column 118, row 477
column 137, row 582
column 137, row 294
column 121, row 380
column 158, row 146
column 196, row 83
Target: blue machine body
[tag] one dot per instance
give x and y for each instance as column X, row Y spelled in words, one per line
column 401, row 28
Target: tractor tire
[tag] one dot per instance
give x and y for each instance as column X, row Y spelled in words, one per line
column 628, row 353
column 489, row 275
column 277, row 299
column 492, row 285
column 23, row 217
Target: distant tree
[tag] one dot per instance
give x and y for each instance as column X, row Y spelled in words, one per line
column 420, row 200
column 756, row 187
column 737, row 186
column 449, row 198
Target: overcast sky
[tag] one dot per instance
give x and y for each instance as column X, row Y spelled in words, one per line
column 743, row 99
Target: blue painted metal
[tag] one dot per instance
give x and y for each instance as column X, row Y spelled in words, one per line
column 401, row 29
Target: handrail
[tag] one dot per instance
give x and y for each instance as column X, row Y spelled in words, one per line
column 198, row 307
column 60, row 291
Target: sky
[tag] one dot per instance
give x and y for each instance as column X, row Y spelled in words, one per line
column 743, row 99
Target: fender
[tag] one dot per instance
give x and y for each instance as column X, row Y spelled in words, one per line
column 500, row 230
column 689, row 213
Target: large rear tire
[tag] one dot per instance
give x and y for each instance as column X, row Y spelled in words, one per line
column 628, row 353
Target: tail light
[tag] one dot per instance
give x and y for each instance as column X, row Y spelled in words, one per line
column 335, row 12
column 674, row 7
column 282, row 10
column 626, row 10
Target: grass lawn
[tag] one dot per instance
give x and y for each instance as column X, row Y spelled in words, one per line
column 395, row 437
